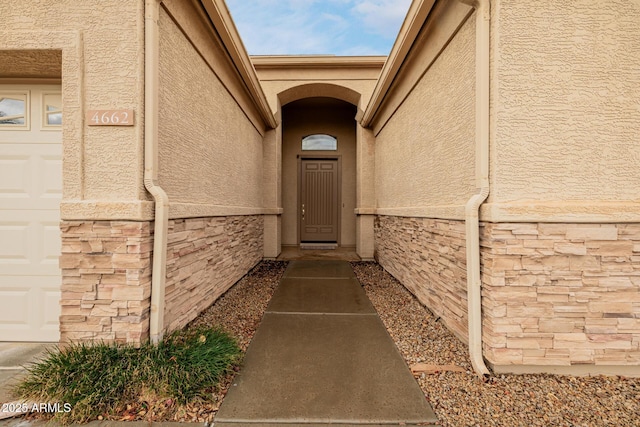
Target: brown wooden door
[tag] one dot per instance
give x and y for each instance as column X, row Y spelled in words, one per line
column 318, row 213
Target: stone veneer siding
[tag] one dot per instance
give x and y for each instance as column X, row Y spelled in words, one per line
column 553, row 294
column 428, row 257
column 561, row 294
column 106, row 273
column 205, row 257
column 106, row 280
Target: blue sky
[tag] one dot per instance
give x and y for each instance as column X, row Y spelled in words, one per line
column 336, row 27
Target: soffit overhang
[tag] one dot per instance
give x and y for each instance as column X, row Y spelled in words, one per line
column 288, row 62
column 318, row 67
column 31, row 64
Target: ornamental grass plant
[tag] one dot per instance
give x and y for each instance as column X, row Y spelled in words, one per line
column 102, row 379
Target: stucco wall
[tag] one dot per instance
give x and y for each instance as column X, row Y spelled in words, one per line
column 278, row 74
column 210, row 153
column 300, row 120
column 425, row 156
column 565, row 108
column 38, row 64
column 102, row 66
column 273, row 88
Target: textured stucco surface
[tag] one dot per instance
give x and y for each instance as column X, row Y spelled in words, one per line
column 363, row 88
column 425, row 155
column 109, row 36
column 366, row 168
column 566, row 114
column 307, row 80
column 31, row 64
column 210, row 153
column 304, row 118
column 272, row 196
column 365, row 192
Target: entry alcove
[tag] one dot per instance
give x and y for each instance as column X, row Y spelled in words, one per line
column 331, row 118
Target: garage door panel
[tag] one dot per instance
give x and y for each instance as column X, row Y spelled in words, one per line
column 15, row 236
column 51, row 244
column 14, row 177
column 51, row 177
column 51, row 312
column 30, row 203
column 30, row 308
column 30, row 244
column 16, row 305
column 30, row 180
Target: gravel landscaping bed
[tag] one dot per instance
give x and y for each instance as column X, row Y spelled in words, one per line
column 462, row 399
column 238, row 311
column 458, row 399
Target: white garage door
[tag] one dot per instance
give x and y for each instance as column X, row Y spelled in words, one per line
column 30, row 193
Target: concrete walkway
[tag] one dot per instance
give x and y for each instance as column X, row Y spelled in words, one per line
column 13, row 357
column 323, row 356
column 295, row 253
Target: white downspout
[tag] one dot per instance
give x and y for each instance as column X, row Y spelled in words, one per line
column 151, row 54
column 472, row 208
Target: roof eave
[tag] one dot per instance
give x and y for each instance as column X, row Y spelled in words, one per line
column 222, row 21
column 317, row 61
column 415, row 19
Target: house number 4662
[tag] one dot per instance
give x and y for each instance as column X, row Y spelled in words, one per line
column 110, row 117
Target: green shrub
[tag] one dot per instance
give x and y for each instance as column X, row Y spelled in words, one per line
column 102, row 378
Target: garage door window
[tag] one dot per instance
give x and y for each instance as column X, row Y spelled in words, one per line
column 52, row 114
column 14, row 107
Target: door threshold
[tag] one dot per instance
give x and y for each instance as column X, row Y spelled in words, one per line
column 319, row 246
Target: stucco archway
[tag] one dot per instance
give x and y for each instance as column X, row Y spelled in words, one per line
column 315, row 90
column 333, row 221
column 279, row 230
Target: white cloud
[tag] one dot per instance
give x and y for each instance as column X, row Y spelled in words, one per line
column 286, row 27
column 343, row 27
column 362, row 50
column 383, row 17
